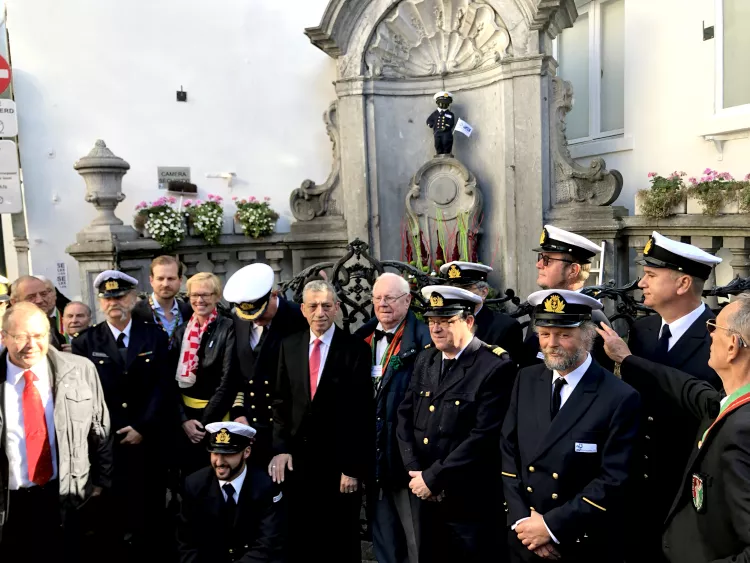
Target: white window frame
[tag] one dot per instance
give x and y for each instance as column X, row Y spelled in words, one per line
column 593, row 8
column 720, row 110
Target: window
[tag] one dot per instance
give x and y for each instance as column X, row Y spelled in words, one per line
column 732, row 54
column 591, row 56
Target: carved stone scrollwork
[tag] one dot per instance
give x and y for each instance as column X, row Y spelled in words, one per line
column 443, row 189
column 311, row 200
column 576, row 184
column 436, row 37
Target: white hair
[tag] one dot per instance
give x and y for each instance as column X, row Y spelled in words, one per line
column 403, row 285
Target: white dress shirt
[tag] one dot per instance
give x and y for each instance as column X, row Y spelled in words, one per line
column 572, row 378
column 257, row 331
column 236, row 483
column 679, row 327
column 325, row 345
column 15, row 443
column 116, row 332
column 382, row 344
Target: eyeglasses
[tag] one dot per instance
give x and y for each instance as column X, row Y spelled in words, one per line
column 23, row 339
column 387, row 299
column 711, row 326
column 545, row 258
column 442, row 323
column 199, row 296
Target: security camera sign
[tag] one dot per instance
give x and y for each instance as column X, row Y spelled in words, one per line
column 10, row 183
column 8, row 119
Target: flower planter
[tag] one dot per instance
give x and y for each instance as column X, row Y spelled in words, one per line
column 730, row 207
column 679, row 209
column 227, row 226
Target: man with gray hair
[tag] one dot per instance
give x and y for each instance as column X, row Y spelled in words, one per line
column 323, row 431
column 709, row 518
column 32, row 289
column 568, row 445
column 395, row 337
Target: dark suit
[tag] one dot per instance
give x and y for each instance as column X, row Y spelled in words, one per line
column 581, row 495
column 257, row 533
column 448, row 428
column 720, row 530
column 145, row 313
column 442, row 124
column 258, row 368
column 136, row 391
column 499, row 329
column 327, row 436
column 667, row 433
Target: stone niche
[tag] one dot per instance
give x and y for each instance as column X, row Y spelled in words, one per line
column 494, row 57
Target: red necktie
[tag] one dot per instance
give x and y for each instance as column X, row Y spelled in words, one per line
column 314, row 367
column 38, row 452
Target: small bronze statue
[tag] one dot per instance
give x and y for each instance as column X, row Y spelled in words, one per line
column 442, row 121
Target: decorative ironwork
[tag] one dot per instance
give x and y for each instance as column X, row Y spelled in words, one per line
column 735, row 287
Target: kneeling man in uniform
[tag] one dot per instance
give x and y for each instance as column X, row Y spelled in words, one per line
column 230, row 510
column 568, row 442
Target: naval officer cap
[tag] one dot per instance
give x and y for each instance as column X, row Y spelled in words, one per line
column 229, row 437
column 661, row 252
column 562, row 307
column 559, row 240
column 249, row 290
column 447, row 301
column 442, row 95
column 464, row 273
column 114, row 283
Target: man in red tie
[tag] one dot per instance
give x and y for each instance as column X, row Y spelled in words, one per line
column 55, row 450
column 323, row 433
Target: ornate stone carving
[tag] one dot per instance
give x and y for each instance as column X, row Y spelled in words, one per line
column 443, row 188
column 576, row 184
column 311, row 200
column 436, row 37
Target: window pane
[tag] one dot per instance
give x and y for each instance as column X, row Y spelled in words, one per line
column 613, row 65
column 574, row 67
column 736, row 53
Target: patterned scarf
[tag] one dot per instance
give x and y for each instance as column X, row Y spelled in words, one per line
column 191, row 342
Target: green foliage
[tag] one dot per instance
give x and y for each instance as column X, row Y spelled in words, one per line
column 658, row 201
column 256, row 217
column 206, row 218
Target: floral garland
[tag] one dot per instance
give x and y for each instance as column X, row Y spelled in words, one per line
column 206, row 217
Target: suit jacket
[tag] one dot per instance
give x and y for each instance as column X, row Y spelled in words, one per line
column 144, row 312
column 499, row 329
column 259, row 367
column 257, row 533
column 136, row 390
column 574, row 471
column 667, row 433
column 714, row 526
column 332, row 433
column 449, row 428
column 442, row 123
column 389, row 468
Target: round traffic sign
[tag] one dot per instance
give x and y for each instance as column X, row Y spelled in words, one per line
column 4, row 74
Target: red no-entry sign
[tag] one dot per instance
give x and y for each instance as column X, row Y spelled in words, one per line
column 4, row 74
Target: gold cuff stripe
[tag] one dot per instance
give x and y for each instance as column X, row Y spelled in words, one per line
column 508, row 474
column 594, row 504
column 240, row 400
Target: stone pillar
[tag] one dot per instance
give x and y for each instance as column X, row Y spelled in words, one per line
column 191, row 263
column 712, row 245
column 274, row 258
column 247, row 257
column 219, row 260
column 740, row 249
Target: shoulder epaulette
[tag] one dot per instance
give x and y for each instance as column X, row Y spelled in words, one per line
column 497, row 350
column 428, row 346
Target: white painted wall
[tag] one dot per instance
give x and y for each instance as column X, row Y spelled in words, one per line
column 257, row 90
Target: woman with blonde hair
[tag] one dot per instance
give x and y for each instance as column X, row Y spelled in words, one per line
column 206, row 377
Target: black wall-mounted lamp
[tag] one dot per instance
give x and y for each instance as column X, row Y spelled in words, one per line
column 181, row 95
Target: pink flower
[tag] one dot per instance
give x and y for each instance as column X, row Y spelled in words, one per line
column 234, row 198
column 172, row 199
column 726, row 176
column 683, row 173
column 188, row 203
column 705, row 179
column 266, row 198
column 747, row 178
column 652, row 174
column 707, row 171
column 693, row 180
column 252, row 199
column 198, row 202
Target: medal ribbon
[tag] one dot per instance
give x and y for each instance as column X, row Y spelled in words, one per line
column 393, row 347
column 734, row 401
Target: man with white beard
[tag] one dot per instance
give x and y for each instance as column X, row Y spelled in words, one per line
column 568, row 442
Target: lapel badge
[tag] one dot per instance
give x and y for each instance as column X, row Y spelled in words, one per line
column 554, row 304
column 222, row 437
column 699, row 492
column 436, row 300
column 454, row 272
column 648, row 246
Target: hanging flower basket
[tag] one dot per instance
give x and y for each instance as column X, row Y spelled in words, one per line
column 255, row 217
column 205, row 218
column 162, row 221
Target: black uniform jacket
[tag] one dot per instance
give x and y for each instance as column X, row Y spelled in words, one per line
column 332, row 433
column 574, row 470
column 667, row 433
column 257, row 533
column 145, row 313
column 499, row 329
column 442, row 122
column 720, row 530
column 448, row 429
column 259, row 366
column 218, row 378
column 137, row 391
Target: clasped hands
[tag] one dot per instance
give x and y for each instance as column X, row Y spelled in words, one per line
column 533, row 533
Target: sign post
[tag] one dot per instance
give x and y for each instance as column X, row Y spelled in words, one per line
column 10, row 183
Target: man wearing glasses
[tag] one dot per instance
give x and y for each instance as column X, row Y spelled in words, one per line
column 709, row 517
column 564, row 262
column 672, row 284
column 448, row 430
column 31, row 289
column 395, row 337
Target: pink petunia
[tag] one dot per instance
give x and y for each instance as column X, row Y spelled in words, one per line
column 266, row 198
column 253, row 199
column 188, row 203
column 652, row 174
column 234, row 198
column 693, row 180
column 198, row 202
column 172, row 199
column 707, row 171
column 747, row 178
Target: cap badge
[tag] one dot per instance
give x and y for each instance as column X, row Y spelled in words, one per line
column 436, row 300
column 247, row 306
column 698, row 491
column 543, row 238
column 110, row 285
column 554, row 304
column 3, row 289
column 222, row 437
column 454, row 272
column 649, row 244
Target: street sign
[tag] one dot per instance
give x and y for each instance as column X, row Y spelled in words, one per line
column 8, row 119
column 10, row 183
column 168, row 174
column 4, row 74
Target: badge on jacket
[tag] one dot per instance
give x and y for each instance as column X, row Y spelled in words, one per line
column 699, row 492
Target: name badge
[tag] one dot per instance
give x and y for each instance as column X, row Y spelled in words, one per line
column 99, row 355
column 211, row 344
column 376, row 371
column 585, row 448
column 540, row 355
